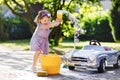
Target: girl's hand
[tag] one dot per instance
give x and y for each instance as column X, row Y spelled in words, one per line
column 58, row 19
column 57, row 22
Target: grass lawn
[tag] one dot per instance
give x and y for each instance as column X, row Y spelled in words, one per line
column 64, row 46
column 16, row 44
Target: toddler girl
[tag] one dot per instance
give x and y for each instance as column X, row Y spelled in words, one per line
column 39, row 41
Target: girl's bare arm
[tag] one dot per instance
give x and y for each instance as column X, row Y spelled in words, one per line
column 47, row 26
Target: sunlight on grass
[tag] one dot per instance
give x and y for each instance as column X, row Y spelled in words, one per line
column 64, row 46
column 115, row 46
column 16, row 44
column 79, row 45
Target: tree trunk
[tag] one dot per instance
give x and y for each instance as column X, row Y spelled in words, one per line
column 31, row 23
column 2, row 34
column 56, row 35
column 29, row 16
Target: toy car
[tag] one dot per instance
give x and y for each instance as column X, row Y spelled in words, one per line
column 93, row 56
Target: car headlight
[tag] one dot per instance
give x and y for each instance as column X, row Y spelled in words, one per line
column 68, row 54
column 92, row 58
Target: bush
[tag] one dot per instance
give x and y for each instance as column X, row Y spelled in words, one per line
column 115, row 19
column 97, row 27
column 17, row 28
column 103, row 31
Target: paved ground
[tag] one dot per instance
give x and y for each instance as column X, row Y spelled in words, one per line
column 16, row 65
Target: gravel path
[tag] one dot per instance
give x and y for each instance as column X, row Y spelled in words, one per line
column 16, row 65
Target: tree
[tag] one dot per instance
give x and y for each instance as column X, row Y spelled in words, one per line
column 24, row 9
column 27, row 9
column 55, row 5
column 2, row 33
column 96, row 23
column 115, row 18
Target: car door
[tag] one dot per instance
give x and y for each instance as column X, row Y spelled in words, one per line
column 111, row 59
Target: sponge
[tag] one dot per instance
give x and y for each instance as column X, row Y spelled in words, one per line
column 42, row 73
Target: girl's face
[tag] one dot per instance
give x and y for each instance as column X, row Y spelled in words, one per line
column 45, row 20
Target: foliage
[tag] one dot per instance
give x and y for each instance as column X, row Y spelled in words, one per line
column 68, row 30
column 17, row 28
column 115, row 18
column 27, row 9
column 96, row 23
column 103, row 31
column 64, row 29
column 2, row 21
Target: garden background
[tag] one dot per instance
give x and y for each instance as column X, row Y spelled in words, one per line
column 17, row 22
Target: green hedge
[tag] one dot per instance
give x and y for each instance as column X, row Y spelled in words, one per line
column 115, row 19
column 97, row 27
column 17, row 28
column 103, row 31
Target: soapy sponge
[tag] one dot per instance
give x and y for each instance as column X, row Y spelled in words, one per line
column 42, row 73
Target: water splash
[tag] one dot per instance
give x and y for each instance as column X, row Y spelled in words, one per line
column 77, row 27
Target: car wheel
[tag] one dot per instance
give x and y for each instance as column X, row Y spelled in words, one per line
column 102, row 66
column 118, row 63
column 71, row 67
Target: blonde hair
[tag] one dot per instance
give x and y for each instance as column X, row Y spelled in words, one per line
column 41, row 14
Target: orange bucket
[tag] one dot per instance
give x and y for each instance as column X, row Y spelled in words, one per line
column 50, row 63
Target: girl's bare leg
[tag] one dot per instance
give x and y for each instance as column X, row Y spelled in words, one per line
column 36, row 56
